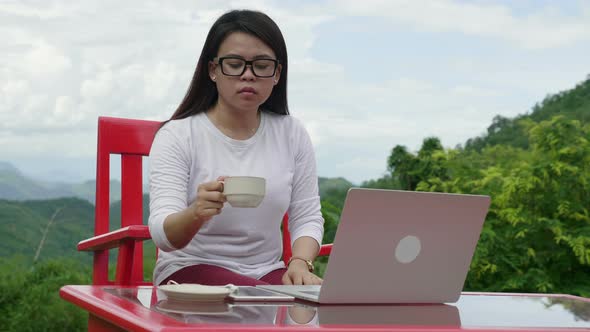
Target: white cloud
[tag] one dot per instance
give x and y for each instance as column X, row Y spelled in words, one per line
column 374, row 165
column 546, row 27
column 472, row 91
column 63, row 64
column 41, row 10
column 160, row 80
column 378, row 116
column 65, row 113
column 63, row 106
column 98, row 87
column 45, row 59
column 306, row 66
column 12, row 91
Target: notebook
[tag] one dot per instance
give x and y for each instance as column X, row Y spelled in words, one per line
column 394, row 246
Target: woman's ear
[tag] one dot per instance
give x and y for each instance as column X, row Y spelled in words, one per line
column 278, row 74
column 212, row 74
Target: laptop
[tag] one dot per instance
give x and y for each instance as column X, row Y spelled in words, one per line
column 394, row 246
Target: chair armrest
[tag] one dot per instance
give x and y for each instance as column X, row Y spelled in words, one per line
column 113, row 239
column 325, row 250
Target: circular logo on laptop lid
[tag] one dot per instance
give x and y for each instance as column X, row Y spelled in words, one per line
column 408, row 249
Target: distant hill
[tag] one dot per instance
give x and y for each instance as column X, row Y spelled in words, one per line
column 22, row 225
column 573, row 104
column 23, row 222
column 329, row 184
column 14, row 185
column 333, row 190
column 115, row 212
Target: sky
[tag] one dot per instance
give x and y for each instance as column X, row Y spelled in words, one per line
column 364, row 76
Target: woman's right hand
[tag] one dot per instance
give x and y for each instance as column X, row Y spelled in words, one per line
column 209, row 201
column 181, row 227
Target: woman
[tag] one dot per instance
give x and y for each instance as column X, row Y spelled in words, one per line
column 234, row 120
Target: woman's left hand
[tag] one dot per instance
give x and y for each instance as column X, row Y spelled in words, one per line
column 298, row 274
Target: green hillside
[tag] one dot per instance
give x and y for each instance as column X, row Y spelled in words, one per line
column 23, row 223
column 13, row 185
column 536, row 169
column 333, row 190
column 65, row 221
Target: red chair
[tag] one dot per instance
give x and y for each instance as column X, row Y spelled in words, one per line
column 132, row 139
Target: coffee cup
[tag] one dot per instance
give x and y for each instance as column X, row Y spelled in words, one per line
column 244, row 191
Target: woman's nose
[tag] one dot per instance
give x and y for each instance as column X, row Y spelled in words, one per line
column 248, row 73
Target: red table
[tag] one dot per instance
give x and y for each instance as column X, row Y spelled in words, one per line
column 143, row 308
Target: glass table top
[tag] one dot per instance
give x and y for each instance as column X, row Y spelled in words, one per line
column 472, row 310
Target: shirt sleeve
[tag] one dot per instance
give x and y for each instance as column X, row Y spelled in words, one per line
column 305, row 215
column 169, row 176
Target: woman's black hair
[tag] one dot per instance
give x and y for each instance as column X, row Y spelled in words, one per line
column 202, row 92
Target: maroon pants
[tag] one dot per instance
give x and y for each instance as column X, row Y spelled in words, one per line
column 217, row 276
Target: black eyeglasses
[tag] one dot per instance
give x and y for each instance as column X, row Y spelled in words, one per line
column 235, row 66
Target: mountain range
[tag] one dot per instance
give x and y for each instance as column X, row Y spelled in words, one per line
column 14, row 185
column 45, row 219
column 37, row 223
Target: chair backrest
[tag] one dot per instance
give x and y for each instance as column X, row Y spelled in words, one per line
column 131, row 139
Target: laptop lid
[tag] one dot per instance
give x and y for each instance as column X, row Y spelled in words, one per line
column 396, row 246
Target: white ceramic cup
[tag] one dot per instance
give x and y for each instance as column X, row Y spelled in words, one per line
column 244, row 191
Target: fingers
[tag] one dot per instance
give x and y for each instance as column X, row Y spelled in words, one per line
column 320, row 280
column 292, row 278
column 311, row 279
column 210, row 200
column 286, row 279
column 208, row 211
column 204, row 210
column 315, row 280
column 211, row 186
column 297, row 279
column 221, row 180
column 211, row 191
column 211, row 196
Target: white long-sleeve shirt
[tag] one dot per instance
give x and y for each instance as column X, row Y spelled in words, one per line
column 191, row 151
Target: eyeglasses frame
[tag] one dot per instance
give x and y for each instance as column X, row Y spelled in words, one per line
column 219, row 61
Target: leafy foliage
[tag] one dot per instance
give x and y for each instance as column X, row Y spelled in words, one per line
column 537, row 233
column 34, row 291
column 537, row 237
column 23, row 225
column 536, row 168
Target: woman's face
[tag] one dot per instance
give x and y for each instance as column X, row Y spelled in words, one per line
column 245, row 92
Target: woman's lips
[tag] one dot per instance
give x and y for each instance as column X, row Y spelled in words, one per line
column 247, row 91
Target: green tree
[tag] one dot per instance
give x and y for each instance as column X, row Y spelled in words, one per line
column 536, row 237
column 409, row 170
column 401, row 164
column 29, row 295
